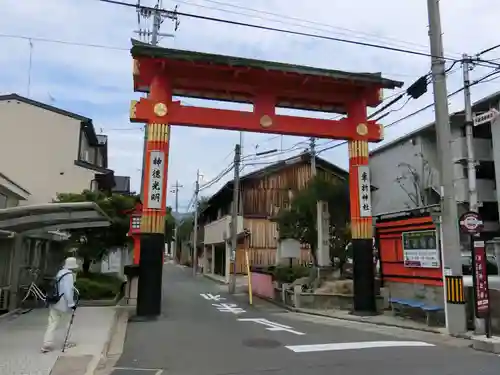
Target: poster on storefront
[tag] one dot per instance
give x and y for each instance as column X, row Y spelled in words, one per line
column 420, row 249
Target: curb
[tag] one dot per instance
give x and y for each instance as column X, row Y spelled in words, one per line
column 100, row 363
column 9, row 314
column 486, row 346
column 217, row 280
column 382, row 324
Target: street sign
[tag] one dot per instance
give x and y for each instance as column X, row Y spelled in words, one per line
column 471, row 223
column 481, row 290
column 485, row 117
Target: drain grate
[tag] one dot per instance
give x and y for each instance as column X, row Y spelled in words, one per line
column 262, row 343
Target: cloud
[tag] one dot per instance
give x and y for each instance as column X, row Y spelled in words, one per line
column 96, row 81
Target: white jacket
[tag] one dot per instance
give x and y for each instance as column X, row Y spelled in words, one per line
column 66, row 287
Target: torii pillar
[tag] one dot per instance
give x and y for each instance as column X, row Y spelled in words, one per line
column 152, row 242
column 361, row 213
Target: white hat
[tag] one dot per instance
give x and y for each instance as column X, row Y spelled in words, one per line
column 71, row 263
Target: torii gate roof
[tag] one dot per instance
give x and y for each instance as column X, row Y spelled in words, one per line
column 236, row 79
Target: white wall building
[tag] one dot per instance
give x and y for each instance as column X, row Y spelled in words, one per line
column 48, row 150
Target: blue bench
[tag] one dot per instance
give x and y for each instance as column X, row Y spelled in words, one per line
column 428, row 309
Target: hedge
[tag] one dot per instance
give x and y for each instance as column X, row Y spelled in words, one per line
column 97, row 286
column 283, row 274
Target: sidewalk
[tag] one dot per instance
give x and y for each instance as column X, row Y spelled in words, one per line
column 21, row 339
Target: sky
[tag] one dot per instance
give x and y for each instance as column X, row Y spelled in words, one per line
column 80, row 61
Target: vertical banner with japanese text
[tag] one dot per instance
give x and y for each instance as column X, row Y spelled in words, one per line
column 480, row 274
column 365, row 203
column 156, row 175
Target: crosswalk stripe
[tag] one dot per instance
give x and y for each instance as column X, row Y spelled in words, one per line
column 354, row 346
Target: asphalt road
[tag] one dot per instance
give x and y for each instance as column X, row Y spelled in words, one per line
column 193, row 337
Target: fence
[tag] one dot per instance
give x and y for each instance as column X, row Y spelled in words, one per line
column 264, row 257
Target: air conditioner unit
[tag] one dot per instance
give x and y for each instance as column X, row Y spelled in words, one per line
column 4, row 298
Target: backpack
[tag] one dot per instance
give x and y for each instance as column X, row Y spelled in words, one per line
column 54, row 296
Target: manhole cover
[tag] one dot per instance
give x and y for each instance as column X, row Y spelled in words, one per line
column 261, row 343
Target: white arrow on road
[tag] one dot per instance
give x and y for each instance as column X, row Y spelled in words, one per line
column 211, row 297
column 354, row 346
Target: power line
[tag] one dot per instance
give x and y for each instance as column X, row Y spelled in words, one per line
column 480, row 80
column 59, row 41
column 449, row 95
column 285, row 31
column 488, row 50
column 176, row 13
column 345, row 31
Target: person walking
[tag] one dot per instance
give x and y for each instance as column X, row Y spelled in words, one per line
column 61, row 302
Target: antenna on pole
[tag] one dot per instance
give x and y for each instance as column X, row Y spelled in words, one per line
column 158, row 15
column 28, row 91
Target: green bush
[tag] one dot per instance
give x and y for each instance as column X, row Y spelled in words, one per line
column 97, row 286
column 287, row 274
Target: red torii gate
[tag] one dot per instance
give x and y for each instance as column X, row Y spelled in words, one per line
column 164, row 73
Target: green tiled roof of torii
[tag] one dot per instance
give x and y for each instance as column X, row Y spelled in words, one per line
column 147, row 50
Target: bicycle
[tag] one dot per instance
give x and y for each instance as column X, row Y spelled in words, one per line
column 28, row 304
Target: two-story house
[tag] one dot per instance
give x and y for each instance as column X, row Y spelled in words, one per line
column 44, row 150
column 262, row 194
column 48, row 150
column 405, row 172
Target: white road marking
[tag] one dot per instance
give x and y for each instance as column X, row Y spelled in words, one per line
column 272, row 326
column 229, row 307
column 211, row 297
column 354, row 345
column 139, row 370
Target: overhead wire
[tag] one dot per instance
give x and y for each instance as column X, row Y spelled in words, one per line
column 236, row 23
column 480, row 80
column 285, row 31
column 281, row 18
column 449, row 95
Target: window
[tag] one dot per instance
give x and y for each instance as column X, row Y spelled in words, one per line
column 3, row 201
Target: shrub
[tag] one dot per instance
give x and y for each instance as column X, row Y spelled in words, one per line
column 97, row 286
column 287, row 274
column 283, row 274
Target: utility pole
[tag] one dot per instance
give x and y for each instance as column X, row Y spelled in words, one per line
column 312, row 151
column 319, row 206
column 195, row 232
column 469, row 138
column 234, row 219
column 158, row 15
column 455, row 313
column 175, row 190
column 471, row 163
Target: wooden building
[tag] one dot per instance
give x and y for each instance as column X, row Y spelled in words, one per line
column 262, row 194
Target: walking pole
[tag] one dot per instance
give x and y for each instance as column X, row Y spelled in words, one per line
column 77, row 293
column 69, row 329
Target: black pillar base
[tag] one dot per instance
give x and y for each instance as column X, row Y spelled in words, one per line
column 149, row 288
column 363, row 277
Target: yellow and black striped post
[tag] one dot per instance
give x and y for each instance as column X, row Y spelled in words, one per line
column 455, row 290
